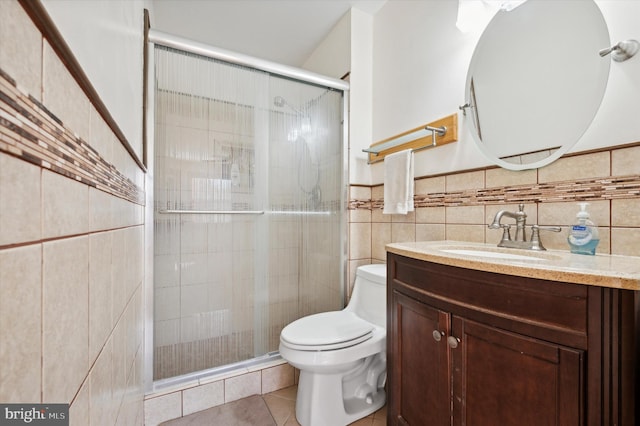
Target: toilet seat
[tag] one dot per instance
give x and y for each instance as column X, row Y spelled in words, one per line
column 326, row 331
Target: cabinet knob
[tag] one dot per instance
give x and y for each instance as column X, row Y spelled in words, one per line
column 437, row 335
column 453, row 342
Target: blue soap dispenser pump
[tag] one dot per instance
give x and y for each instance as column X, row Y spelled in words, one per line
column 583, row 235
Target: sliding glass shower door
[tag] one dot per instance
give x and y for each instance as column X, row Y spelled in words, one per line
column 249, row 210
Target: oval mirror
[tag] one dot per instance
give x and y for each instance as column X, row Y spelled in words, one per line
column 536, row 81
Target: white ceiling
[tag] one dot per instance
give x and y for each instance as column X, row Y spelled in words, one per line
column 282, row 31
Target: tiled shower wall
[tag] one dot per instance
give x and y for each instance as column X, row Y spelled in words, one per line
column 71, row 241
column 460, row 206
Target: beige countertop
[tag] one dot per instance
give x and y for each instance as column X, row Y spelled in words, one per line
column 602, row 270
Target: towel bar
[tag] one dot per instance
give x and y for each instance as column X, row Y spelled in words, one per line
column 436, row 133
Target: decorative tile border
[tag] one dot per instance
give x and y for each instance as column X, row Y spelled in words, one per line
column 579, row 190
column 28, row 130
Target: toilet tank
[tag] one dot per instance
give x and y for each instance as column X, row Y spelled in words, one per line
column 369, row 296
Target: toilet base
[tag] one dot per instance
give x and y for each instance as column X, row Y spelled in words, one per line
column 339, row 399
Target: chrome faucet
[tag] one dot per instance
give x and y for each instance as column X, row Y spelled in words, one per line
column 521, row 220
column 520, row 240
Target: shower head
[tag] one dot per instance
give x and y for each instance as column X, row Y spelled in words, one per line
column 279, row 101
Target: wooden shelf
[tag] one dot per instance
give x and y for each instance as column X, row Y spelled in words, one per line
column 415, row 139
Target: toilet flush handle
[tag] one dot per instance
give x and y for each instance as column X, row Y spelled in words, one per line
column 437, row 335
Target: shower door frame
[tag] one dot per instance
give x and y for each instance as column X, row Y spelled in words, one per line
column 304, row 76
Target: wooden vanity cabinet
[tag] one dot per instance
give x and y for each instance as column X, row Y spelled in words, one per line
column 467, row 347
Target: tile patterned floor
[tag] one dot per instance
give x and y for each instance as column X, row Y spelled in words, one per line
column 272, row 409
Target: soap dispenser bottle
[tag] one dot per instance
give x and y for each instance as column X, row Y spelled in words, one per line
column 583, row 235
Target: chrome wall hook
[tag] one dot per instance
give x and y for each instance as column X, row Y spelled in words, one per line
column 464, row 107
column 622, row 51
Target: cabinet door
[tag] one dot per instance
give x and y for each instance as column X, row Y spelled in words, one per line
column 502, row 378
column 420, row 379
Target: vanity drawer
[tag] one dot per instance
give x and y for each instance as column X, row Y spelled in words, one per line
column 508, row 302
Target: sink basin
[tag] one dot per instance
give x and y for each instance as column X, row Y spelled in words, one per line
column 495, row 254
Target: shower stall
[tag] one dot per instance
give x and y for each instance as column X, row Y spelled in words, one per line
column 248, row 178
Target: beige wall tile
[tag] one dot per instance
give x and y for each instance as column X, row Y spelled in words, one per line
column 132, row 343
column 425, row 232
column 465, row 214
column 62, row 95
column 605, row 240
column 138, row 329
column 126, row 213
column 103, row 410
column 79, row 410
column 132, row 407
column 625, row 212
column 118, row 275
column 242, row 386
column 119, row 360
column 410, row 217
column 202, row 397
column 65, row 206
column 359, row 240
column 21, row 48
column 100, row 292
column 430, row 215
column 20, row 324
column 131, row 411
column 462, row 181
column 470, row 233
column 503, row 177
column 162, row 408
column 360, row 193
column 19, row 200
column 380, row 236
column 378, row 216
column 430, row 185
column 134, row 253
column 625, row 241
column 278, row 377
column 565, row 213
column 577, row 167
column 403, row 232
column 100, row 210
column 66, row 317
column 102, row 138
column 625, row 161
column 125, row 164
column 377, row 192
column 360, row 215
column 555, row 240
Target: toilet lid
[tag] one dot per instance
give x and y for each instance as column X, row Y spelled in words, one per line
column 326, row 331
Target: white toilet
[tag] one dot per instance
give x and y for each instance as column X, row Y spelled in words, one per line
column 341, row 355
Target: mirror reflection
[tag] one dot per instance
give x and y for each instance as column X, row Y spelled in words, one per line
column 536, row 81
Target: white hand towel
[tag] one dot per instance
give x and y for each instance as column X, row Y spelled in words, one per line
column 398, row 182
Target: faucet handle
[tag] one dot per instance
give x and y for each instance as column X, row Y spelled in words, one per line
column 506, row 233
column 536, row 244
